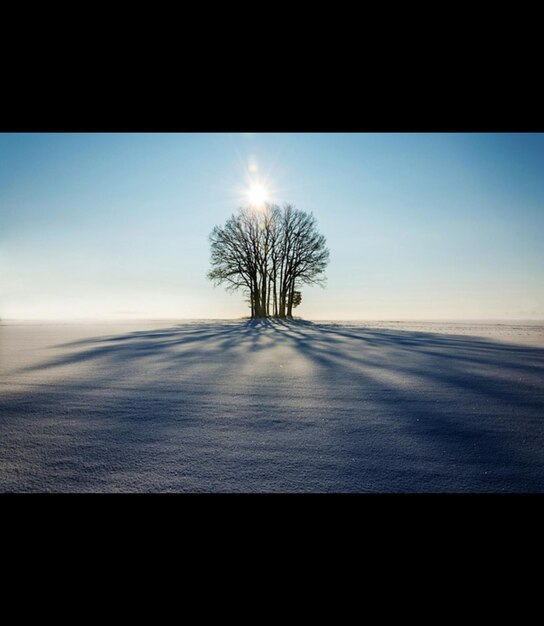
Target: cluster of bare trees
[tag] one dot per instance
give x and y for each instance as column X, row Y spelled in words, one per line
column 268, row 253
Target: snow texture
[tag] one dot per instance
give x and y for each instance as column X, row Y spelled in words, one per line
column 262, row 406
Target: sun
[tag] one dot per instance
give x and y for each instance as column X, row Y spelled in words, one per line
column 257, row 194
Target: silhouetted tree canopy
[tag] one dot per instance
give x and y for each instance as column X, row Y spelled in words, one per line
column 268, row 253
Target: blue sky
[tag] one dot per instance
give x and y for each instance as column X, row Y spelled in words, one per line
column 420, row 226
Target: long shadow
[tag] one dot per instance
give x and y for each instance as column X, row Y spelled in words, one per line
column 456, row 429
column 159, row 342
column 470, row 409
column 431, row 357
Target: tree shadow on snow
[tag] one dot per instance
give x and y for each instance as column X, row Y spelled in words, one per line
column 466, row 404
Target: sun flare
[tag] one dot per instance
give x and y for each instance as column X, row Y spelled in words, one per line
column 257, row 194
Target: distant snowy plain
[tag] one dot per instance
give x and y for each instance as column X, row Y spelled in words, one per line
column 264, row 406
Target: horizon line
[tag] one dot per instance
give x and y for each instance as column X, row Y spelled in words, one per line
column 242, row 318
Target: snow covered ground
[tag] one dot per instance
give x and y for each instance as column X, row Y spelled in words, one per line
column 230, row 406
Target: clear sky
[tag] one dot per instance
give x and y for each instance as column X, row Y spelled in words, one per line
column 419, row 226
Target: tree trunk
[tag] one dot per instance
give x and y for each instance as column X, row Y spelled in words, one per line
column 257, row 310
column 263, row 298
column 291, row 297
column 282, row 305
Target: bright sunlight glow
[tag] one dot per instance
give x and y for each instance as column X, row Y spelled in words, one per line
column 257, row 194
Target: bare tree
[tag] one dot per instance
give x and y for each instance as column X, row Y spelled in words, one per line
column 268, row 254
